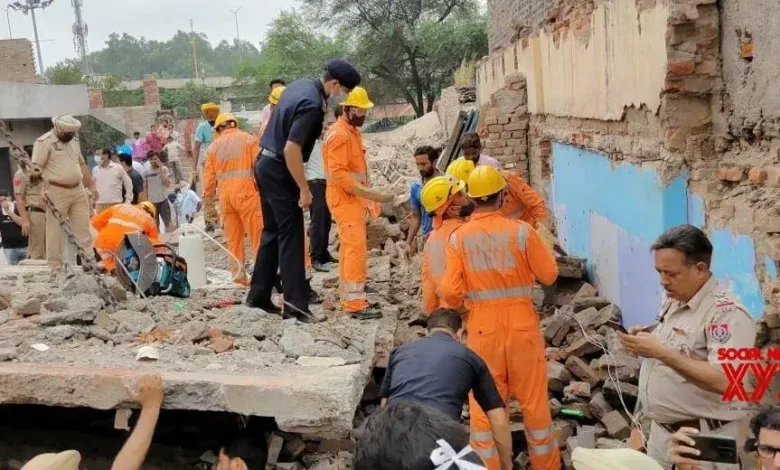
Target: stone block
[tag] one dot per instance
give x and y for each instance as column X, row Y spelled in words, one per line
column 564, row 429
column 581, row 303
column 496, row 128
column 65, row 318
column 628, row 390
column 732, row 174
column 28, row 308
column 582, row 370
column 583, row 347
column 577, row 389
column 568, row 267
column 757, row 176
column 599, row 406
column 617, row 425
column 557, row 376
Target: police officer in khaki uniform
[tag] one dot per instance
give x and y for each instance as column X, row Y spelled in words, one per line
column 66, row 173
column 28, row 201
column 681, row 382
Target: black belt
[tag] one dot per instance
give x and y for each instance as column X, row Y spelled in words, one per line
column 712, row 424
column 267, row 153
column 318, row 181
column 35, row 209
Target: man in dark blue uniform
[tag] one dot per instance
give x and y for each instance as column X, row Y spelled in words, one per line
column 286, row 145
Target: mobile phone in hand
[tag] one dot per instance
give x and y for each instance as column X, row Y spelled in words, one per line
column 720, row 449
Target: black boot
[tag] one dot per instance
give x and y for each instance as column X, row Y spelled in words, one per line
column 269, row 307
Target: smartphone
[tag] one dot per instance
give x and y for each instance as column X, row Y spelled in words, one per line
column 619, row 327
column 720, row 449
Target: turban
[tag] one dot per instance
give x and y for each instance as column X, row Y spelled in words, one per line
column 612, row 459
column 66, row 123
column 344, row 72
column 68, row 460
column 210, row 110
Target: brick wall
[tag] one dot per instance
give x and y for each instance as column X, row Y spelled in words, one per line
column 151, row 92
column 18, row 64
column 512, row 19
column 507, row 126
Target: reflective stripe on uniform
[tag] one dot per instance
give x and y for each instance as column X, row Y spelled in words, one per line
column 354, row 286
column 487, row 453
column 543, row 449
column 229, row 175
column 484, row 436
column 539, row 434
column 523, row 291
column 350, row 296
column 125, row 223
column 522, row 235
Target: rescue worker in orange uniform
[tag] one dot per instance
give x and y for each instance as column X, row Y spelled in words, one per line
column 520, row 201
column 228, row 173
column 492, row 262
column 444, row 198
column 113, row 223
column 350, row 201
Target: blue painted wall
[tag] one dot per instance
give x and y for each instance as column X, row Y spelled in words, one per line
column 612, row 214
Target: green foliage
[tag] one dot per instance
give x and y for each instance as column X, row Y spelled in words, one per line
column 94, row 134
column 132, row 58
column 243, row 124
column 64, row 74
column 186, row 101
column 409, row 48
column 292, row 49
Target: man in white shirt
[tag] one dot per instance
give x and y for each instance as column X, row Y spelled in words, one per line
column 113, row 183
column 319, row 214
column 174, row 149
column 187, row 204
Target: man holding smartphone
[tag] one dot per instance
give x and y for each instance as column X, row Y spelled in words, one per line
column 766, row 443
column 681, row 382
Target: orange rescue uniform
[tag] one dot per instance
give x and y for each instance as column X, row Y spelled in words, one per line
column 113, row 223
column 433, row 262
column 229, row 172
column 521, row 202
column 344, row 159
column 492, row 262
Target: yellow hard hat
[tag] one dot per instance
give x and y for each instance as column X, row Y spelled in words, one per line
column 461, row 169
column 358, row 98
column 485, row 181
column 438, row 191
column 210, row 110
column 149, row 207
column 223, row 118
column 276, row 93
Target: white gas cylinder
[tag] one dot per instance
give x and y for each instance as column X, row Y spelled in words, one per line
column 191, row 248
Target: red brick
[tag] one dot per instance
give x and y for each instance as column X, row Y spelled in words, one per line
column 496, row 128
column 222, row 344
column 680, row 68
column 733, row 174
column 519, row 134
column 516, row 126
column 506, row 135
column 757, row 176
column 747, row 50
column 675, row 86
column 16, row 55
column 494, row 136
column 707, row 67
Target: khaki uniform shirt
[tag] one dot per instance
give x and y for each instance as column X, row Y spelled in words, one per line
column 31, row 191
column 711, row 320
column 61, row 162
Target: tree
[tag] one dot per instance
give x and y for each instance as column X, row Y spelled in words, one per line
column 292, row 49
column 94, row 135
column 186, row 101
column 413, row 46
column 64, row 74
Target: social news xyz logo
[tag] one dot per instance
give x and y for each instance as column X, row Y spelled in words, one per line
column 737, row 362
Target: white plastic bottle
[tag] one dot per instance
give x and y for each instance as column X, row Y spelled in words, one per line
column 191, row 248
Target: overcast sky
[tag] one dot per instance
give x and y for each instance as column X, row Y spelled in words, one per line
column 153, row 19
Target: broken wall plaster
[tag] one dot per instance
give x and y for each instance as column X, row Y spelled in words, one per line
column 622, row 63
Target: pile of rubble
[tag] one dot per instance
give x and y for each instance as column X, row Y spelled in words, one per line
column 591, row 378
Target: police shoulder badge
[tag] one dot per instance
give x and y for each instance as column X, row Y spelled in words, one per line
column 720, row 332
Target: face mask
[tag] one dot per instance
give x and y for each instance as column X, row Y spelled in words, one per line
column 357, row 121
column 65, row 137
column 466, row 211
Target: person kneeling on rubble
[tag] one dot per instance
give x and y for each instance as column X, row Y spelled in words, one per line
column 411, row 436
column 440, row 372
column 117, row 221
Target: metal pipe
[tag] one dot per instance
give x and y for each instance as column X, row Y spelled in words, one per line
column 41, row 70
column 8, row 19
column 238, row 35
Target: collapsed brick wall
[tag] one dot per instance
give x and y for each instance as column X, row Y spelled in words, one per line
column 507, row 126
column 18, row 63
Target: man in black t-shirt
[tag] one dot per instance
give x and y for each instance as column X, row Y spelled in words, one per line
column 13, row 241
column 439, row 371
column 138, row 180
